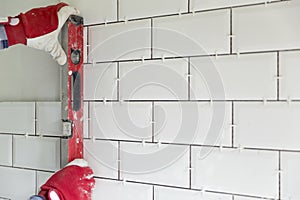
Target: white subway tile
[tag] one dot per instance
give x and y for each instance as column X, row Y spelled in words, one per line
column 41, row 179
column 208, row 4
column 164, row 193
column 123, row 121
column 246, row 77
column 131, row 40
column 154, row 80
column 17, row 118
column 229, row 170
column 136, row 9
column 39, row 82
column 115, row 190
column 5, row 150
column 49, row 118
column 199, row 34
column 193, row 123
column 273, row 125
column 261, row 28
column 159, row 164
column 290, row 164
column 102, row 157
column 95, row 11
column 289, row 72
column 37, row 153
column 100, row 81
column 16, row 184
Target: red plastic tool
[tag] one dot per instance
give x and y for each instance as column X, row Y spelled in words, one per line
column 72, row 90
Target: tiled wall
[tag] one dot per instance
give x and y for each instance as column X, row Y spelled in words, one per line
column 184, row 99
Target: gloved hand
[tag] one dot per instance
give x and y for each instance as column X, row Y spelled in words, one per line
column 74, row 182
column 39, row 28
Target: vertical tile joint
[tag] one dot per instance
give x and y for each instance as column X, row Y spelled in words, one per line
column 151, row 48
column 232, row 122
column 231, row 32
column 278, row 75
column 152, row 120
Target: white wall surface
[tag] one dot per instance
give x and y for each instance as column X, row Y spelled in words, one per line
column 184, row 99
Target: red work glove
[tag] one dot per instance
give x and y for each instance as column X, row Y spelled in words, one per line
column 39, row 28
column 74, row 182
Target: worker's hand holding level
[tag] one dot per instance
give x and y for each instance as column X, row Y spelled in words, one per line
column 39, row 28
column 74, row 182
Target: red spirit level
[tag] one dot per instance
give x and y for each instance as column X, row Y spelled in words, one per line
column 72, row 90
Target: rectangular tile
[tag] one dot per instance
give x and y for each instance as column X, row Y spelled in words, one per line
column 102, row 157
column 115, row 190
column 17, row 118
column 164, row 164
column 6, row 150
column 246, row 172
column 154, row 80
column 193, row 123
column 251, row 76
column 122, row 121
column 42, row 177
column 289, row 72
column 49, row 118
column 273, row 125
column 179, row 36
column 16, row 184
column 208, row 4
column 115, row 41
column 100, row 81
column 251, row 35
column 95, row 11
column 39, row 82
column 165, row 193
column 137, row 9
column 290, row 164
column 36, row 153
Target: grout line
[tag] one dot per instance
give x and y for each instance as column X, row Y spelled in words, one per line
column 194, row 56
column 232, row 122
column 27, row 168
column 118, row 10
column 153, row 192
column 119, row 160
column 231, row 32
column 12, row 150
column 279, row 174
column 201, row 145
column 88, row 44
column 152, row 42
column 278, row 75
column 189, row 6
column 89, row 120
column 187, row 13
column 182, row 188
column 118, row 82
column 35, row 118
column 190, row 167
column 195, row 101
column 153, row 121
column 189, row 79
column 36, row 180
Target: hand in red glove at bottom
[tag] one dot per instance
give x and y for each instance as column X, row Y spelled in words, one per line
column 73, row 182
